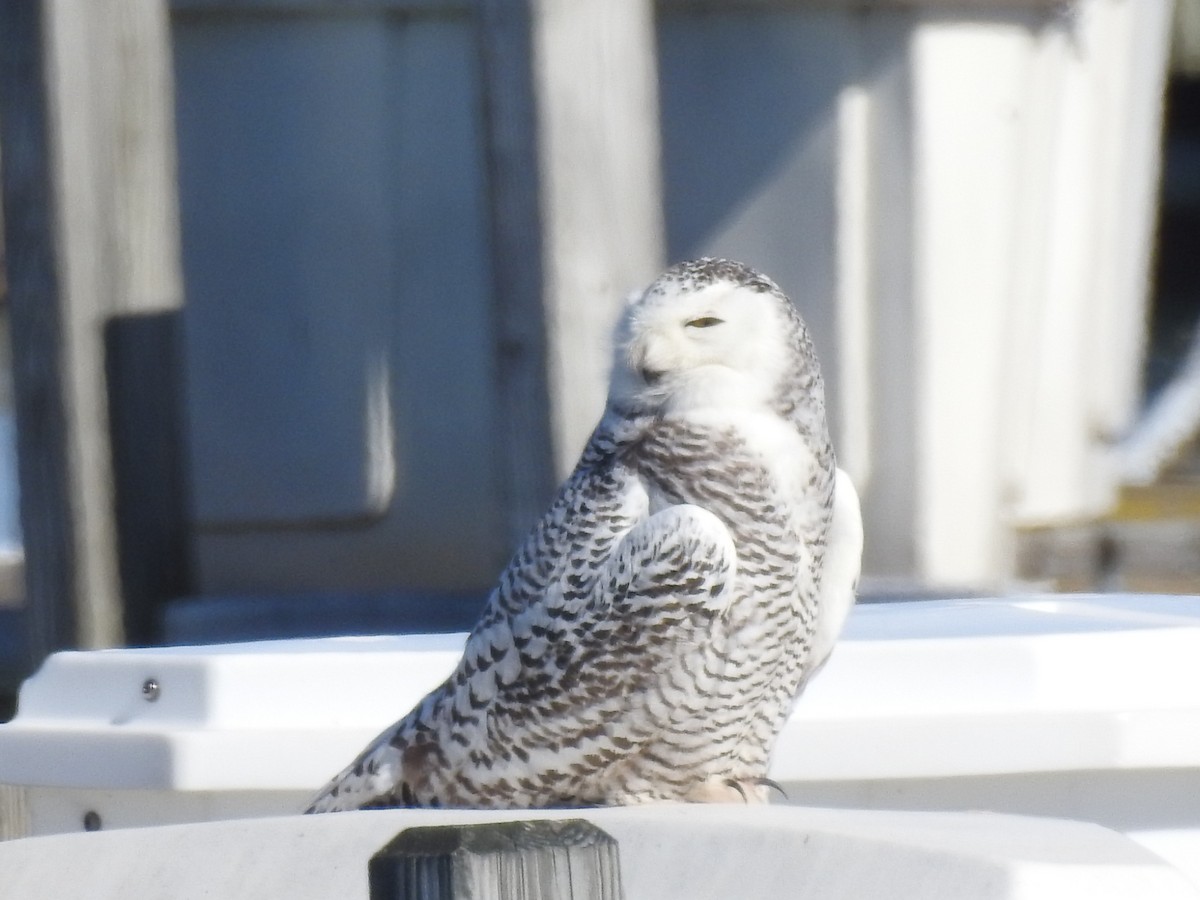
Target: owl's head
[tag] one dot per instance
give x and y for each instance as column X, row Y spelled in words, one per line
column 712, row 332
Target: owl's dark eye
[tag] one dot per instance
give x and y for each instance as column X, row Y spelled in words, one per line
column 705, row 322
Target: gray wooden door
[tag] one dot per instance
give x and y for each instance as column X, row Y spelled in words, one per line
column 338, row 322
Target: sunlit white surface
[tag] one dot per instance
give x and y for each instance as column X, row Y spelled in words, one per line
column 1071, row 706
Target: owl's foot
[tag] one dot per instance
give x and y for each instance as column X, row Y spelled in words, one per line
column 762, row 788
column 728, row 790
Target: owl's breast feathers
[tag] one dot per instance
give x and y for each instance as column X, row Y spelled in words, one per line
column 773, row 490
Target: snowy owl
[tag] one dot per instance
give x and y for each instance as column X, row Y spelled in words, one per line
column 648, row 638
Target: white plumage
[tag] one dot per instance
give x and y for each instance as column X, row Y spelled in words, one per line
column 650, row 635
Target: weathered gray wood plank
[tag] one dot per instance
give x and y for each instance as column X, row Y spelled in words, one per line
column 598, row 131
column 14, row 812
column 322, row 6
column 525, row 451
column 572, row 113
column 92, row 221
column 529, row 860
column 34, row 296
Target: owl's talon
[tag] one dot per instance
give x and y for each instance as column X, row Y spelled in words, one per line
column 737, row 786
column 773, row 785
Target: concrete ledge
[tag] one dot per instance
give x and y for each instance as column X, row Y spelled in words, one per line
column 694, row 852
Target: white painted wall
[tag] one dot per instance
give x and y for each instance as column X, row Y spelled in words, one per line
column 961, row 202
column 1035, row 174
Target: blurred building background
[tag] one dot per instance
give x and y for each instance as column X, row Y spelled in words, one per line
column 310, row 299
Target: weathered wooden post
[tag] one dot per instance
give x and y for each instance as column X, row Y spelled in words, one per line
column 596, row 77
column 92, row 236
column 34, row 291
column 576, row 195
column 539, row 859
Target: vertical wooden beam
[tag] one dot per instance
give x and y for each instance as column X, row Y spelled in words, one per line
column 888, row 494
column 597, row 80
column 525, row 455
column 528, row 860
column 574, row 167
column 115, row 154
column 35, row 308
column 92, row 216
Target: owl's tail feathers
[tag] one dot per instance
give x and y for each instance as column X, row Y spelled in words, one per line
column 373, row 779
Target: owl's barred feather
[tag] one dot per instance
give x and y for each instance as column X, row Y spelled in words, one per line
column 648, row 639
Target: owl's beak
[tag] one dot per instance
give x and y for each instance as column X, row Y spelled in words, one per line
column 646, row 362
column 649, row 375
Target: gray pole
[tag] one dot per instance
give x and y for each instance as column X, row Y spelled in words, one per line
column 569, row 859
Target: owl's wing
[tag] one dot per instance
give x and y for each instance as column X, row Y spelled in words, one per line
column 598, row 604
column 550, row 696
column 580, row 669
column 840, row 571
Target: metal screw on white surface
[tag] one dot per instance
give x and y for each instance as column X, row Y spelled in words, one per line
column 150, row 690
